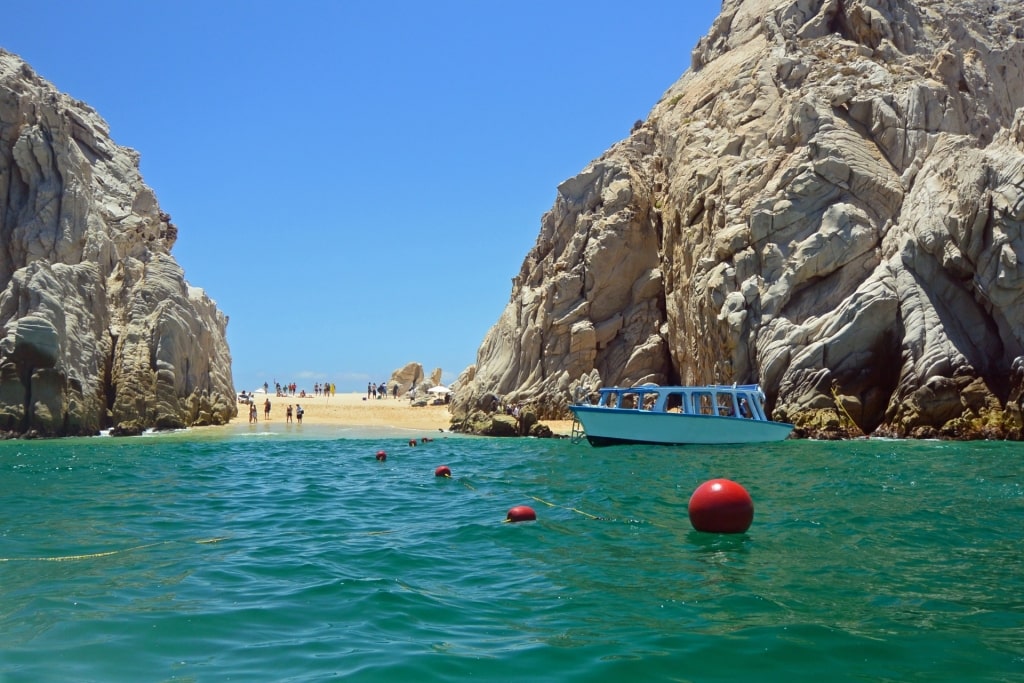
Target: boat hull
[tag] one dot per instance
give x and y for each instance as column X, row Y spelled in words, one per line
column 609, row 426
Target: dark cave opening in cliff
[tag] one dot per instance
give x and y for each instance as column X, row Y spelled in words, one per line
column 109, row 390
column 26, row 381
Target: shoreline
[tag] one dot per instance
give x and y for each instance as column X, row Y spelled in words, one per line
column 355, row 410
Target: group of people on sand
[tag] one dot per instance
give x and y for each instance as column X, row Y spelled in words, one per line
column 292, row 389
column 380, row 390
column 253, row 413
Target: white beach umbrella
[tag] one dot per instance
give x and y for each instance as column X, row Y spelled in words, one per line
column 439, row 390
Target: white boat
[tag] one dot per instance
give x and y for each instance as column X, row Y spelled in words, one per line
column 713, row 414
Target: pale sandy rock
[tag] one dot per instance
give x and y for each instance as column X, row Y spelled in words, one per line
column 408, row 377
column 412, row 377
column 829, row 202
column 99, row 327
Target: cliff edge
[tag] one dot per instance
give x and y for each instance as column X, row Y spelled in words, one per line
column 830, row 202
column 98, row 327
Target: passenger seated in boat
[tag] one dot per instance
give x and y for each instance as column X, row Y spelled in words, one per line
column 745, row 409
column 674, row 403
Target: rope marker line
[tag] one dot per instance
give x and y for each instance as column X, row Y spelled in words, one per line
column 585, row 514
column 106, row 553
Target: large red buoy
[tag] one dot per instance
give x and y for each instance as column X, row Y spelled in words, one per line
column 721, row 506
column 382, row 456
column 521, row 513
column 443, row 471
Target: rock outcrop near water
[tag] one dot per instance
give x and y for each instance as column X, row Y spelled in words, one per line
column 99, row 327
column 830, row 202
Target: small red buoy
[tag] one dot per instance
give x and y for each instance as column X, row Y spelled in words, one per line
column 521, row 513
column 721, row 506
column 412, row 442
column 382, row 456
column 443, row 471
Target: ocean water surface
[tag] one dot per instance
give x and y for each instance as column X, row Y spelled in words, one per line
column 249, row 555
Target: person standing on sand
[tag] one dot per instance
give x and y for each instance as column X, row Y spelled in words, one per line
column 252, row 412
column 288, row 414
column 298, row 413
column 266, row 410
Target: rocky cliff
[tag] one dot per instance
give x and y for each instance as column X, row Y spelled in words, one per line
column 98, row 327
column 830, row 202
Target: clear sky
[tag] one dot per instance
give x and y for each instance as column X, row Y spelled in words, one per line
column 355, row 184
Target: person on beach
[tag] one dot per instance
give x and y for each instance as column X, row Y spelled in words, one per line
column 298, row 413
column 252, row 412
column 288, row 414
column 266, row 410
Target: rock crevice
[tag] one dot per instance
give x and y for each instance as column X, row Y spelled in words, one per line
column 98, row 327
column 830, row 202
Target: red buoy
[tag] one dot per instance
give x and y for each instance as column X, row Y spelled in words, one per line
column 721, row 506
column 521, row 513
column 443, row 471
column 382, row 456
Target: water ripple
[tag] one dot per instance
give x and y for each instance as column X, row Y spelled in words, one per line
column 284, row 559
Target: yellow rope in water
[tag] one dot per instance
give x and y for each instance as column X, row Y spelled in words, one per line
column 552, row 505
column 106, row 553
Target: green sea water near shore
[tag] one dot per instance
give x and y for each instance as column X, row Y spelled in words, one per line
column 257, row 556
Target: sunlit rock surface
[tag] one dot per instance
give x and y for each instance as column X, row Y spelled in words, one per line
column 99, row 327
column 830, row 202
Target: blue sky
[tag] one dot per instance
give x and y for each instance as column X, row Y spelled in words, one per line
column 356, row 184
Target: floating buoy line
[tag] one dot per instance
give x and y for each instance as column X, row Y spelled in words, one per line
column 717, row 506
column 108, row 553
column 563, row 507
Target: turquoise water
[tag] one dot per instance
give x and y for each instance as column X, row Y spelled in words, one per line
column 252, row 556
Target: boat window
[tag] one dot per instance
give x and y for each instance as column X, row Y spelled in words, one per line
column 703, row 404
column 608, row 399
column 725, row 405
column 674, row 403
column 628, row 401
column 649, row 401
column 745, row 410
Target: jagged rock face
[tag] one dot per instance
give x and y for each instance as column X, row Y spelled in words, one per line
column 406, row 378
column 411, row 376
column 830, row 202
column 99, row 327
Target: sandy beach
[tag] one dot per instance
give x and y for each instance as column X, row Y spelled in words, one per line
column 355, row 410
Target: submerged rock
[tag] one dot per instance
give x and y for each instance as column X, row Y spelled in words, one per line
column 830, row 202
column 98, row 327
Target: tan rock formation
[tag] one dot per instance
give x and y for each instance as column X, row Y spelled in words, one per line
column 830, row 202
column 99, row 327
column 409, row 376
